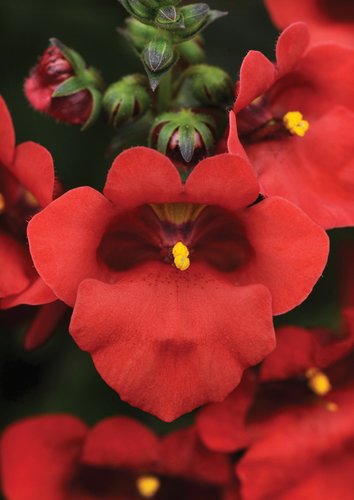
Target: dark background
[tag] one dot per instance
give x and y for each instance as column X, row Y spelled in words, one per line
column 59, row 377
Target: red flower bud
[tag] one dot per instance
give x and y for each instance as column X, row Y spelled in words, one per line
column 56, row 67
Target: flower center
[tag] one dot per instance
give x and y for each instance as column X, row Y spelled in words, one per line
column 175, row 234
column 148, row 486
column 259, row 122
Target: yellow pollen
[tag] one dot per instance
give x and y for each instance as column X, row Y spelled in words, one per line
column 318, row 382
column 147, row 486
column 180, row 253
column 2, row 203
column 294, row 122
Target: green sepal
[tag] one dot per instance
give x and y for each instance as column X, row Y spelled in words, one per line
column 169, row 18
column 207, row 136
column 71, row 86
column 165, row 135
column 96, row 107
column 187, row 142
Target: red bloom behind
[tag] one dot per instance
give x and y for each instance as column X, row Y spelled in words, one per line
column 326, row 19
column 26, row 186
column 295, row 121
column 167, row 339
column 55, row 457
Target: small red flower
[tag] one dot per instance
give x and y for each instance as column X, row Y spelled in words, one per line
column 57, row 456
column 172, row 283
column 306, row 453
column 61, row 86
column 308, row 367
column 26, row 186
column 326, row 19
column 295, row 120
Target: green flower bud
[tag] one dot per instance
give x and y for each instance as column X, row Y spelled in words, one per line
column 210, row 85
column 185, row 136
column 195, row 18
column 158, row 57
column 127, row 99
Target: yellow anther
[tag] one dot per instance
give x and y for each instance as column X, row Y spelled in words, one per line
column 180, row 250
column 294, row 122
column 147, row 486
column 181, row 262
column 318, row 382
column 2, row 203
column 180, row 253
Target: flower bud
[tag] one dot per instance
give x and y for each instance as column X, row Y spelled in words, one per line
column 184, row 136
column 61, row 86
column 192, row 50
column 158, row 57
column 210, row 85
column 195, row 18
column 138, row 34
column 127, row 99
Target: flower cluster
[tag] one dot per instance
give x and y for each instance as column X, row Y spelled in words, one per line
column 204, row 231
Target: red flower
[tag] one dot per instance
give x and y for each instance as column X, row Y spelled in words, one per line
column 306, row 453
column 326, row 19
column 307, row 366
column 55, row 457
column 169, row 331
column 27, row 184
column 61, row 67
column 295, row 120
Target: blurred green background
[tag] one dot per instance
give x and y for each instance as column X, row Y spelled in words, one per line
column 59, row 377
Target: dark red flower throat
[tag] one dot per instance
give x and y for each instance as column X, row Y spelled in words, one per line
column 150, row 232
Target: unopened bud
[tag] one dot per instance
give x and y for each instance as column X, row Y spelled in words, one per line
column 158, row 57
column 185, row 136
column 62, row 86
column 127, row 99
column 211, row 85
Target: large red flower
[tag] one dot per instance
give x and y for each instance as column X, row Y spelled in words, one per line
column 295, row 120
column 166, row 336
column 26, row 186
column 327, row 19
column 57, row 457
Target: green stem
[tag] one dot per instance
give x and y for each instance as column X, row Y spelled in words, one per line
column 164, row 93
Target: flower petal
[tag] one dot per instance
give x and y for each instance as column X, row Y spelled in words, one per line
column 142, row 175
column 257, row 75
column 224, row 180
column 33, row 167
column 17, row 269
column 7, row 135
column 64, row 238
column 39, row 456
column 121, row 442
column 290, row 252
column 291, row 45
column 168, row 341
